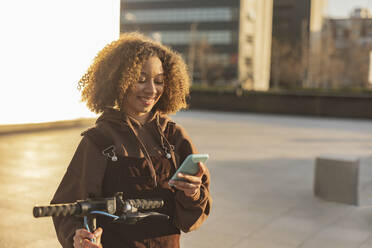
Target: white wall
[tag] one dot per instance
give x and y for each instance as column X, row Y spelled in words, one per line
column 45, row 47
column 370, row 68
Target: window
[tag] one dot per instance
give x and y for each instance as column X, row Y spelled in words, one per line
column 185, row 37
column 248, row 61
column 249, row 39
column 221, row 58
column 369, row 32
column 179, row 15
column 346, row 33
column 356, row 32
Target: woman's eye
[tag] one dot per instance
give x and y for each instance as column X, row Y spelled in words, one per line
column 159, row 82
column 142, row 80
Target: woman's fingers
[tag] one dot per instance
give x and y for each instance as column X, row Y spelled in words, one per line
column 190, row 178
column 189, row 189
column 82, row 238
column 83, row 233
column 190, row 184
column 202, row 169
column 185, row 185
column 98, row 234
column 194, row 178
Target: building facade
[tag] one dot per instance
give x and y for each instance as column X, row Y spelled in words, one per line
column 208, row 34
column 347, row 46
column 357, row 28
column 297, row 32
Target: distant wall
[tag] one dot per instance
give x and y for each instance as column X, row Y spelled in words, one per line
column 335, row 105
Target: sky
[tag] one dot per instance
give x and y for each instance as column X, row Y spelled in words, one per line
column 45, row 49
column 342, row 8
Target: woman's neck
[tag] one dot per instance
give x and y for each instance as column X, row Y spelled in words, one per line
column 141, row 118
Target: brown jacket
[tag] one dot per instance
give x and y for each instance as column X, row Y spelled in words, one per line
column 85, row 174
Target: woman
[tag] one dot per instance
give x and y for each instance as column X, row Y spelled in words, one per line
column 134, row 82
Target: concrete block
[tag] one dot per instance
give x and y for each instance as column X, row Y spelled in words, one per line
column 337, row 179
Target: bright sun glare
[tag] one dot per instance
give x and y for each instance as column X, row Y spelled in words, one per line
column 46, row 47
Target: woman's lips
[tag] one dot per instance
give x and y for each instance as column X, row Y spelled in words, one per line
column 147, row 100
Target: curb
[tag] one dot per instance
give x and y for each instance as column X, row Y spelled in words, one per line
column 35, row 127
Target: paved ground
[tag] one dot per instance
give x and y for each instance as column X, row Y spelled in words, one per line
column 262, row 171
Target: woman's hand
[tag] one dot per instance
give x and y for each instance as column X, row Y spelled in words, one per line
column 192, row 186
column 82, row 238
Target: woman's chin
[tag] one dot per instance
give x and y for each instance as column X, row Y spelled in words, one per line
column 145, row 111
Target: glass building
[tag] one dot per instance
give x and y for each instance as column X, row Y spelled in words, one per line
column 204, row 32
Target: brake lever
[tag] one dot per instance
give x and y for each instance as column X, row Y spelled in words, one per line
column 133, row 218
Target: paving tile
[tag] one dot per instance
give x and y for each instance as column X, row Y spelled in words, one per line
column 367, row 243
column 294, row 227
column 206, row 239
column 338, row 237
column 249, row 242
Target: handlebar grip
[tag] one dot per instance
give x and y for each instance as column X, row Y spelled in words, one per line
column 57, row 210
column 146, row 204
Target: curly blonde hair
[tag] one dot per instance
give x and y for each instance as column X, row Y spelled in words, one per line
column 117, row 68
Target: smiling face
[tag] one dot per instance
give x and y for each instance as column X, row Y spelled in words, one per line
column 142, row 97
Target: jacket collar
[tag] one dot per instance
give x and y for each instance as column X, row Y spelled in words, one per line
column 119, row 117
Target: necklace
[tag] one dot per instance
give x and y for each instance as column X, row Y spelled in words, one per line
column 167, row 150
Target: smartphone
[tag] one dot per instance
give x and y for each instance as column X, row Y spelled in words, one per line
column 190, row 165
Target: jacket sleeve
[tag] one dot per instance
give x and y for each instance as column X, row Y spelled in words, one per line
column 82, row 179
column 191, row 212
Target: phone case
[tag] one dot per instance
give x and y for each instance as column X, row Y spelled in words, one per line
column 190, row 165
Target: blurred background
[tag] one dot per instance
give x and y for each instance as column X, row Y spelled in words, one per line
column 264, row 44
column 235, row 46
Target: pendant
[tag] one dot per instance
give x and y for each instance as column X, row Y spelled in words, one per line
column 114, row 158
column 168, row 155
column 110, row 153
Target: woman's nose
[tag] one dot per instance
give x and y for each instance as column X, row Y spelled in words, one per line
column 150, row 86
